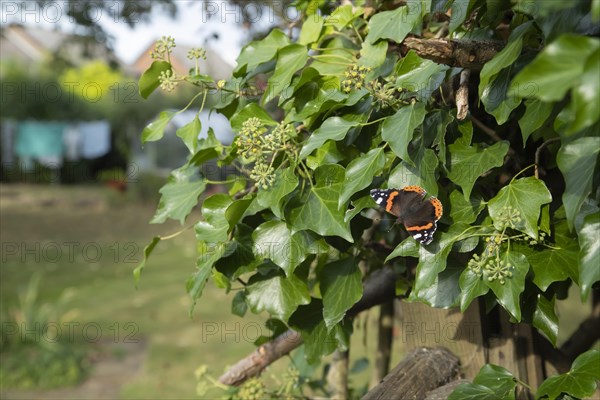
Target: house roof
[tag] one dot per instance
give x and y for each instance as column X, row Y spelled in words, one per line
column 33, row 44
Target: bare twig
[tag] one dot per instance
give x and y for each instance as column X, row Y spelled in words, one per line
column 462, row 95
column 486, row 129
column 538, row 153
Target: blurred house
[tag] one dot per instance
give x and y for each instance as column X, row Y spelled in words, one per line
column 32, row 45
column 214, row 65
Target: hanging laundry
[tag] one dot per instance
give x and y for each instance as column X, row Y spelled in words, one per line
column 41, row 141
column 95, row 138
column 72, row 141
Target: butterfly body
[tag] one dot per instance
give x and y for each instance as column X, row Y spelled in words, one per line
column 418, row 214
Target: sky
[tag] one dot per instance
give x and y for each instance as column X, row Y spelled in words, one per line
column 192, row 27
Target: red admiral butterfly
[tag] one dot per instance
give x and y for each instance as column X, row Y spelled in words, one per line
column 419, row 215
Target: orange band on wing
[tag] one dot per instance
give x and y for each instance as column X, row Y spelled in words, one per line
column 390, row 201
column 419, row 228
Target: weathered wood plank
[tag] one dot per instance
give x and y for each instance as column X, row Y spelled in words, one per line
column 421, row 371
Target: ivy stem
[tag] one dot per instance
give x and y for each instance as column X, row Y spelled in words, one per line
column 171, row 236
column 538, row 153
column 521, row 171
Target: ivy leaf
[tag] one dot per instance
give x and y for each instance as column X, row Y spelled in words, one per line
column 360, row 173
column 320, row 212
column 467, row 163
column 444, row 292
column 433, row 258
column 422, row 174
column 407, row 248
column 334, row 128
column 458, row 14
column 359, row 205
column 149, row 80
column 261, row 51
column 311, row 29
column 238, row 304
column 215, row 226
column 341, row 287
column 189, row 134
column 343, row 15
column 471, row 287
column 556, row 69
column 273, row 240
column 289, row 60
column 155, row 130
column 398, row 129
column 491, row 383
column 589, row 256
column 579, row 382
column 577, row 162
column 137, row 272
column 393, row 25
column 536, row 113
column 553, row 265
column 285, row 183
column 252, row 110
column 545, row 318
column 462, row 210
column 318, row 340
column 208, row 255
column 524, row 195
column 586, row 96
column 179, row 195
column 280, row 296
column 419, row 76
column 236, row 210
column 508, row 293
column 495, row 76
column 373, row 55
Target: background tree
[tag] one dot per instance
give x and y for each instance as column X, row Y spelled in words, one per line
column 492, row 106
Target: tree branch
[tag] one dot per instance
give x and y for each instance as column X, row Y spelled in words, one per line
column 377, row 289
column 462, row 95
column 471, row 54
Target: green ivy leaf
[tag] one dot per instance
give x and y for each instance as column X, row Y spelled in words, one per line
column 577, row 162
column 273, row 240
column 393, row 25
column 589, row 256
column 373, row 55
column 579, row 382
column 179, row 195
column 189, row 134
column 508, row 293
column 311, row 29
column 236, row 211
column 280, row 296
column 545, row 318
column 215, row 226
column 536, row 113
column 556, row 69
column 261, row 51
column 553, row 265
column 252, row 110
column 318, row 340
column 155, row 130
column 341, row 287
column 419, row 76
column 334, row 128
column 285, row 183
column 208, row 255
column 491, row 383
column 464, row 211
column 495, row 76
column 467, row 163
column 137, row 272
column 586, row 96
column 525, row 195
column 471, row 287
column 458, row 14
column 360, row 173
column 342, row 16
column 444, row 292
column 422, row 174
column 289, row 60
column 239, row 305
column 398, row 129
column 149, row 80
column 359, row 205
column 325, row 154
column 319, row 212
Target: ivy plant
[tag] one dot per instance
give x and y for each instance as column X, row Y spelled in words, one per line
column 352, row 99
